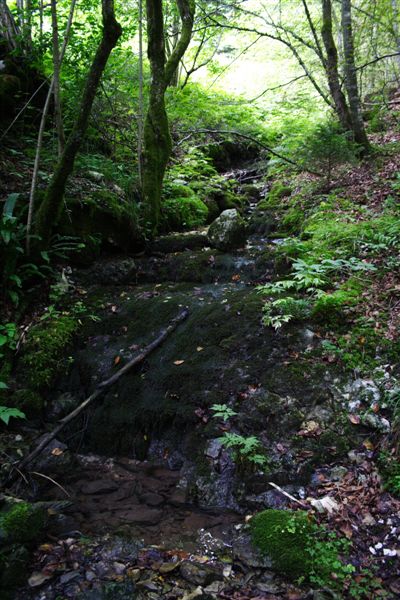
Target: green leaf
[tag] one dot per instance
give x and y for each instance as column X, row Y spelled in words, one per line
column 10, row 205
column 3, row 386
column 6, row 414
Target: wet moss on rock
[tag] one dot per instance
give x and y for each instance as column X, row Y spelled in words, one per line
column 44, row 351
column 284, row 537
column 23, row 523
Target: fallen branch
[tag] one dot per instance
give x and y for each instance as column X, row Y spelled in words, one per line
column 292, row 498
column 104, row 385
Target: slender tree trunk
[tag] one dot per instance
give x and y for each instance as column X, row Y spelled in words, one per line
column 140, row 118
column 9, row 30
column 351, row 83
column 41, row 132
column 157, row 140
column 56, row 78
column 331, row 67
column 50, row 210
column 396, row 29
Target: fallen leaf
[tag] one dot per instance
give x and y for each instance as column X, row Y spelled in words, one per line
column 178, row 362
column 37, row 579
column 326, row 504
column 199, row 348
column 117, row 360
column 57, row 452
column 368, row 445
column 355, row 419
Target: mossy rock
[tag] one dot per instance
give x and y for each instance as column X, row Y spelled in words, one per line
column 185, row 213
column 23, row 523
column 29, row 401
column 278, row 191
column 103, row 218
column 284, row 536
column 44, row 351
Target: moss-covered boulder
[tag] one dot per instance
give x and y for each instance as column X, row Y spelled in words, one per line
column 183, row 213
column 102, row 218
column 21, row 525
column 284, row 536
column 228, row 231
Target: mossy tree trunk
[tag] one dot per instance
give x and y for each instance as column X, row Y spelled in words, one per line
column 157, row 145
column 351, row 83
column 50, row 210
column 332, row 69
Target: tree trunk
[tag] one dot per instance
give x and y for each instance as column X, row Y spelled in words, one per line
column 331, row 67
column 351, row 83
column 51, row 207
column 56, row 78
column 42, row 126
column 140, row 116
column 396, row 30
column 9, row 30
column 157, row 140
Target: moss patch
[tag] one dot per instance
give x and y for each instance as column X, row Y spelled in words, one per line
column 23, row 524
column 44, row 351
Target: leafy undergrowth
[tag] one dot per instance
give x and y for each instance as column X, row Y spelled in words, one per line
column 339, row 271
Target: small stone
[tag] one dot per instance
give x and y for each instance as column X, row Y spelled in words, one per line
column 90, row 576
column 168, row 567
column 99, row 487
column 152, row 499
column 134, row 574
column 67, row 577
column 389, row 552
column 149, row 585
column 119, row 568
column 142, row 515
column 369, row 520
column 199, row 574
column 178, row 497
column 337, row 473
column 213, row 449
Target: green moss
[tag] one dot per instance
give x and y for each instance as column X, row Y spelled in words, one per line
column 278, row 191
column 183, row 213
column 24, row 523
column 44, row 350
column 301, row 549
column 103, row 217
column 284, row 536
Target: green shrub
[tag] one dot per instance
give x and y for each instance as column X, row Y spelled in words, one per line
column 326, row 147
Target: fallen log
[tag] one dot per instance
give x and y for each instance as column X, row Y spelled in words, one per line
column 102, row 387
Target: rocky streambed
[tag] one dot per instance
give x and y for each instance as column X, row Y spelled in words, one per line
column 156, row 501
